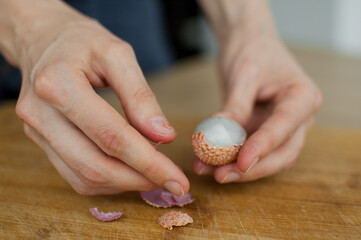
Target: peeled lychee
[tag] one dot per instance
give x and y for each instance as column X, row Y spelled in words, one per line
column 217, row 140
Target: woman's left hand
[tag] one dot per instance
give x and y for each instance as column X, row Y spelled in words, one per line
column 269, row 94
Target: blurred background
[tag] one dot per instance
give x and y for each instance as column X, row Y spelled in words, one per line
column 330, row 25
column 325, row 38
column 163, row 32
column 325, row 24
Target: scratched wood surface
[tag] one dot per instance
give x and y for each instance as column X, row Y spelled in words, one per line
column 320, row 198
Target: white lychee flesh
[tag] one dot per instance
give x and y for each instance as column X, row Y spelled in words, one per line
column 221, row 131
column 217, row 140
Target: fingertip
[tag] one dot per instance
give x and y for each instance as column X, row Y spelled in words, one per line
column 157, row 129
column 201, row 168
column 161, row 130
column 248, row 156
column 242, row 163
column 228, row 173
column 245, row 167
column 179, row 184
column 161, row 125
column 185, row 186
column 159, row 138
column 183, row 180
column 179, row 188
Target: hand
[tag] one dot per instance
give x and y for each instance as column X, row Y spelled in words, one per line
column 87, row 141
column 269, row 94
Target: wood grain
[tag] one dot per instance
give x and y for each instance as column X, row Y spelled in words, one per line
column 319, row 198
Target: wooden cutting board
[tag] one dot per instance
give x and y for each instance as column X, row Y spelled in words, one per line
column 319, row 198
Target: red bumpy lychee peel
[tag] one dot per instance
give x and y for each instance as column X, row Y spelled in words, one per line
column 217, row 140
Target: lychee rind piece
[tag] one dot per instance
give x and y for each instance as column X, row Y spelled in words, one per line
column 174, row 218
column 226, row 137
column 216, row 156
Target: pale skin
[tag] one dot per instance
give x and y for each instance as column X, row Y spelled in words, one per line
column 63, row 54
column 266, row 91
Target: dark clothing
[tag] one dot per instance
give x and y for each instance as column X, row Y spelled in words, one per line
column 139, row 22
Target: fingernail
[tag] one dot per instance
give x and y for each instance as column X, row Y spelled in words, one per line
column 253, row 163
column 231, row 177
column 199, row 165
column 174, row 187
column 161, row 125
column 202, row 170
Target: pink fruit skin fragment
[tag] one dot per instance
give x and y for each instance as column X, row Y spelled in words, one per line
column 157, row 144
column 174, row 218
column 105, row 217
column 175, row 200
column 162, row 198
column 153, row 198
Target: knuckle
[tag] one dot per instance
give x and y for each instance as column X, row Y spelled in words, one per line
column 126, row 48
column 92, row 177
column 143, row 95
column 93, row 22
column 47, row 84
column 149, row 169
column 140, row 97
column 26, row 111
column 248, row 68
column 42, row 84
column 111, row 142
column 22, row 110
column 120, row 49
column 244, row 69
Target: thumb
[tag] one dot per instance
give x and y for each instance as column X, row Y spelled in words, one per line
column 242, row 87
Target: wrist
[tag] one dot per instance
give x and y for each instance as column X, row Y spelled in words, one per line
column 241, row 19
column 28, row 23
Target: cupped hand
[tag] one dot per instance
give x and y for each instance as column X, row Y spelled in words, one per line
column 269, row 94
column 88, row 142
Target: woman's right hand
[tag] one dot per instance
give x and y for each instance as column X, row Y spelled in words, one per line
column 64, row 56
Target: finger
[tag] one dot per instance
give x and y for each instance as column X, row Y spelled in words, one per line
column 59, row 165
column 201, row 168
column 293, row 107
column 261, row 113
column 138, row 101
column 105, row 126
column 98, row 173
column 278, row 160
column 242, row 89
